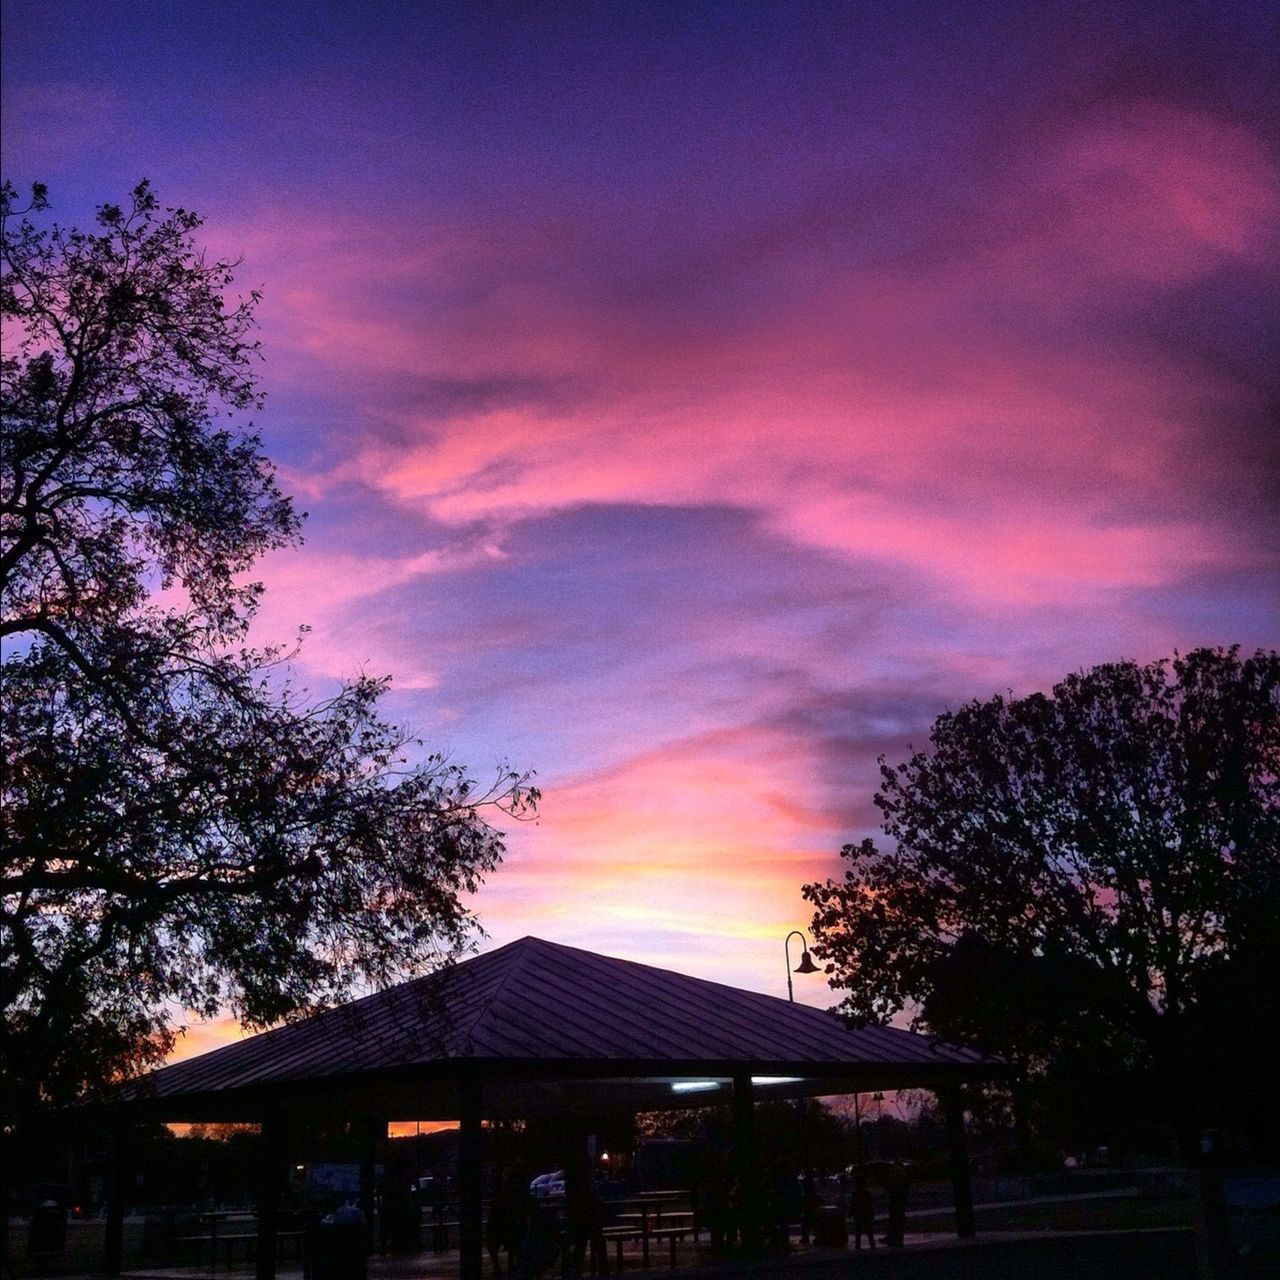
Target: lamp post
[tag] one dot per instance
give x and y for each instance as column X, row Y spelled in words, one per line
column 806, row 964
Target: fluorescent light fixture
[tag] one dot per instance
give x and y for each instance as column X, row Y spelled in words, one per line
column 703, row 1086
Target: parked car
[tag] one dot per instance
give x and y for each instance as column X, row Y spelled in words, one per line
column 546, row 1185
column 430, row 1190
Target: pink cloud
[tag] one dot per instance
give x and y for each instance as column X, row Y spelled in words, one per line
column 325, row 589
column 964, row 421
column 1163, row 192
column 894, row 412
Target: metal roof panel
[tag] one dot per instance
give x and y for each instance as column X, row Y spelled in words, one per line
column 538, row 1001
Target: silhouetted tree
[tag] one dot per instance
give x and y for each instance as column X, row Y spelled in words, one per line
column 183, row 827
column 1087, row 881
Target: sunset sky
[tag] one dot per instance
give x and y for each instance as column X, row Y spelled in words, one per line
column 691, row 401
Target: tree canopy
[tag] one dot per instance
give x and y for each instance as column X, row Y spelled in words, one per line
column 184, row 827
column 1087, row 881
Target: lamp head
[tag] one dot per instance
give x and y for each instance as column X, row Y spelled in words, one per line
column 806, row 964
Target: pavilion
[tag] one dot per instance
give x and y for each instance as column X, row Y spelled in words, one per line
column 537, row 1029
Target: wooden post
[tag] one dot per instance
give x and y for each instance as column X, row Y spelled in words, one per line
column 268, row 1191
column 470, row 1180
column 117, row 1171
column 952, row 1099
column 744, row 1150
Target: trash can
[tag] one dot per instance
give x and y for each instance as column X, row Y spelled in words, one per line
column 830, row 1231
column 48, row 1231
column 401, row 1224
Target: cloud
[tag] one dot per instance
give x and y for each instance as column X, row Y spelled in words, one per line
column 703, row 529
column 328, row 590
column 1162, row 192
column 981, row 407
column 684, row 851
column 201, row 1037
column 693, row 408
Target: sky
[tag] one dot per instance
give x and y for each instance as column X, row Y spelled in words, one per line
column 692, row 401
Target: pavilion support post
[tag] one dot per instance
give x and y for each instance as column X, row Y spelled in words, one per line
column 117, row 1172
column 1022, row 1129
column 268, row 1190
column 470, row 1180
column 373, row 1132
column 952, row 1098
column 745, row 1160
column 7, row 1158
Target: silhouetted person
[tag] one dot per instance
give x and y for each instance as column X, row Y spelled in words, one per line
column 782, row 1205
column 508, row 1222
column 584, row 1221
column 810, row 1203
column 748, row 1196
column 716, row 1207
column 863, row 1209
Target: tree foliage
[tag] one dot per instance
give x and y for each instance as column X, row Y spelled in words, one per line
column 183, row 826
column 1079, row 880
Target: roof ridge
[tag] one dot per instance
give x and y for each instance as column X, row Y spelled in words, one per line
column 517, row 948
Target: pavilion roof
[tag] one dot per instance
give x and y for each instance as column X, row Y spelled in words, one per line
column 542, row 1010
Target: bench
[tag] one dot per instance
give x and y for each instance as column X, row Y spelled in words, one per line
column 231, row 1243
column 670, row 1234
column 619, row 1235
column 439, row 1229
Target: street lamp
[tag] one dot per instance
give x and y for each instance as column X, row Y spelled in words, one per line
column 806, row 964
